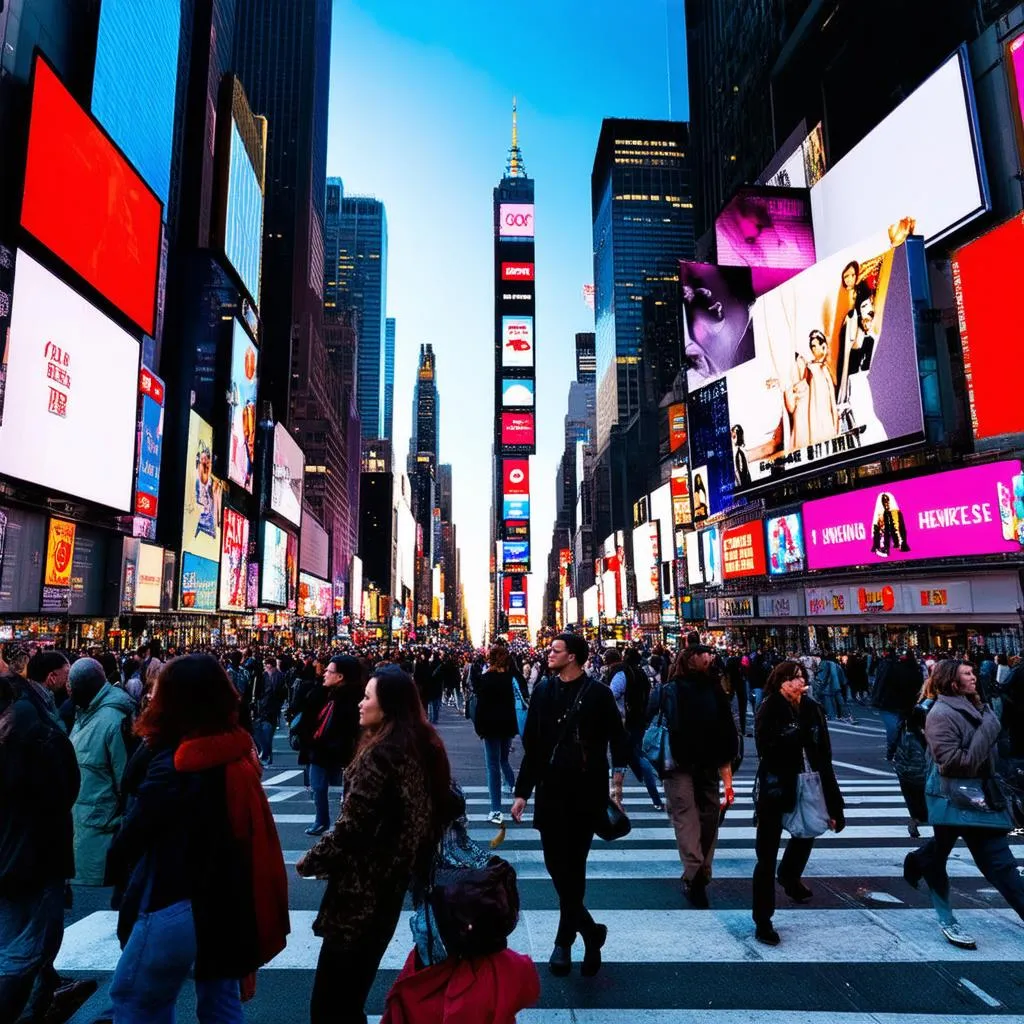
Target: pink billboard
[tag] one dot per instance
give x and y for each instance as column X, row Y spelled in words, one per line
column 515, row 220
column 973, row 511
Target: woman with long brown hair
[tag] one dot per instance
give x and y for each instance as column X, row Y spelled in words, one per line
column 496, row 724
column 398, row 802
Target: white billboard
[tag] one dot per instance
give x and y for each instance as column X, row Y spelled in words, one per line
column 645, row 562
column 71, row 393
column 661, row 511
column 694, row 562
column 517, row 341
column 289, row 470
column 515, row 220
column 919, row 172
column 149, row 578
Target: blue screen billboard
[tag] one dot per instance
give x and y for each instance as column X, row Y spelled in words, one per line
column 515, row 552
column 516, row 506
column 243, row 230
column 198, row 583
column 150, row 444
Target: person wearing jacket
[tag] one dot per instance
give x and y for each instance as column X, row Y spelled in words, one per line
column 962, row 733
column 897, row 683
column 911, row 759
column 199, row 877
column 397, row 806
column 790, row 730
column 571, row 723
column 496, row 724
column 267, row 716
column 98, row 736
column 703, row 739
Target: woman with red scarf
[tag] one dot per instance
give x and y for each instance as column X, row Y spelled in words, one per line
column 200, row 877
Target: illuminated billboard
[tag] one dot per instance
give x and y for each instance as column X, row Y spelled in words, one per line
column 985, row 274
column 515, row 220
column 515, row 506
column 515, row 555
column 86, row 203
column 289, row 473
column 694, row 559
column 662, row 513
column 804, row 166
column 973, row 511
column 645, row 562
column 150, row 444
column 60, row 553
column 201, row 522
column 681, row 512
column 517, row 393
column 784, row 537
column 517, row 341
column 71, row 396
column 516, row 476
column 234, row 572
column 274, row 567
column 1015, row 65
column 517, row 271
column 243, row 227
column 517, row 429
column 676, row 426
column 316, row 597
column 934, row 127
column 743, row 551
column 711, row 556
column 149, row 578
column 242, row 402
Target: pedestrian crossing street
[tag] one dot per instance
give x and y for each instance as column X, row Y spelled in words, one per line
column 866, row 950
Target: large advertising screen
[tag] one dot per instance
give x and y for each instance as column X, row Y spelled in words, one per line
column 710, row 552
column 515, row 506
column 516, row 476
column 784, row 537
column 274, row 566
column 515, row 220
column 149, row 444
column 149, row 578
column 316, row 597
column 662, row 513
column 985, row 274
column 133, row 88
column 60, row 553
column 515, row 555
column 517, row 271
column 973, row 511
column 517, row 429
column 289, row 474
column 517, row 393
column 69, row 412
column 243, row 228
column 743, row 551
column 712, row 473
column 201, row 524
column 694, row 559
column 646, row 562
column 803, row 167
column 517, row 341
column 87, row 204
column 682, row 514
column 888, row 181
column 768, row 230
column 1015, row 63
column 242, row 432
column 234, row 572
column 676, row 426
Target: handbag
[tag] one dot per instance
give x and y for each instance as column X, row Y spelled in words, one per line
column 614, row 824
column 295, row 731
column 521, row 706
column 967, row 802
column 809, row 818
column 655, row 745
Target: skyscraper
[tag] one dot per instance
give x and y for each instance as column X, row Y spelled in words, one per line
column 422, row 471
column 425, row 407
column 586, row 358
column 389, row 377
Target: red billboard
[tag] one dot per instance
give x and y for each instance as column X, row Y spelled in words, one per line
column 516, row 476
column 676, row 426
column 517, row 429
column 743, row 551
column 517, row 271
column 985, row 273
column 85, row 202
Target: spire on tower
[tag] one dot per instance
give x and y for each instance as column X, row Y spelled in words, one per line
column 515, row 167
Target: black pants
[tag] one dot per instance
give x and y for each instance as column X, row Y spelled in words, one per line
column 566, row 846
column 766, row 846
column 344, row 977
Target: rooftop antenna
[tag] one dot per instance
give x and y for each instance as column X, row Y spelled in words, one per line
column 514, row 167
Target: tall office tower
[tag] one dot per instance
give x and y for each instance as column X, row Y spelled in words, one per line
column 422, row 472
column 514, row 390
column 586, row 358
column 426, row 409
column 389, row 376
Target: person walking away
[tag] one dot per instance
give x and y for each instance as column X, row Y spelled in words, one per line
column 962, row 734
column 897, row 684
column 99, row 736
column 433, row 688
column 397, row 806
column 268, row 711
column 632, row 689
column 829, row 681
column 792, row 734
column 911, row 759
column 496, row 725
column 199, row 876
column 569, row 728
column 1012, row 693
column 704, row 743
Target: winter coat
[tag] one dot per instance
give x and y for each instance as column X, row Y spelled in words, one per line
column 329, row 729
column 369, row 858
column 962, row 738
column 272, row 697
column 701, row 729
column 496, row 706
column 897, row 685
column 783, row 735
column 98, row 739
column 39, row 782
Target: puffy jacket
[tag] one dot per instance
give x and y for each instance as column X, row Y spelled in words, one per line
column 962, row 738
column 99, row 747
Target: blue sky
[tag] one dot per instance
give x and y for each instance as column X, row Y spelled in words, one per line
column 420, row 117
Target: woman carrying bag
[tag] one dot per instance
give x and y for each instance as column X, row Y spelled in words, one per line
column 795, row 790
column 496, row 724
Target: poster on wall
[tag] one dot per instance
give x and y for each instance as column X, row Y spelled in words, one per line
column 743, row 551
column 242, row 431
column 784, row 538
column 316, row 597
column 201, row 522
column 274, row 566
column 646, row 562
column 233, row 563
column 517, row 341
column 292, row 570
column 60, row 551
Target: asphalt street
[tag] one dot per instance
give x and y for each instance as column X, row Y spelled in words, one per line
column 865, row 950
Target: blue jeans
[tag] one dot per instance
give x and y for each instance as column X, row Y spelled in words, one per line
column 154, row 966
column 434, row 709
column 642, row 768
column 496, row 762
column 891, row 720
column 320, row 779
column 264, row 737
column 31, row 931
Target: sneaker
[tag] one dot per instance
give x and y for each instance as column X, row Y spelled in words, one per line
column 657, row 805
column 767, row 934
column 495, row 818
column 316, row 830
column 957, row 936
column 592, row 955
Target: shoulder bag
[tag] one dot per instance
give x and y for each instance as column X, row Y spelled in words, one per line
column 970, row 802
column 809, row 818
column 655, row 745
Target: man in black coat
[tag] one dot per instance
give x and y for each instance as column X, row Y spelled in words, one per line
column 897, row 685
column 569, row 727
column 268, row 710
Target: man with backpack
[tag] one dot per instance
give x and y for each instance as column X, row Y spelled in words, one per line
column 631, row 689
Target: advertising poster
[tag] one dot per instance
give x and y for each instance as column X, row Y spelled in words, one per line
column 234, row 578
column 149, row 578
column 768, row 230
column 316, row 597
column 711, row 557
column 517, row 271
column 682, row 514
column 515, row 555
column 517, row 341
column 252, row 585
column 242, row 432
column 661, row 511
column 198, row 583
column 517, row 393
column 292, row 570
column 150, row 443
column 974, row 511
column 985, row 272
column 60, row 552
column 1015, row 62
column 289, row 474
column 516, row 476
column 835, row 373
column 743, row 551
column 645, row 562
column 72, row 384
column 694, row 561
column 203, row 493
column 243, row 228
column 784, row 537
column 515, row 220
column 712, row 472
column 517, row 430
column 676, row 426
column 274, row 563
column 805, row 166
column 609, row 588
column 515, row 506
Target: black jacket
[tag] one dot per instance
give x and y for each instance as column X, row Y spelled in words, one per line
column 496, row 707
column 701, row 729
column 272, row 697
column 334, row 747
column 783, row 733
column 572, row 781
column 897, row 685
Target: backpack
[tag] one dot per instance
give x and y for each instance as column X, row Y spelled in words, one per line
column 476, row 909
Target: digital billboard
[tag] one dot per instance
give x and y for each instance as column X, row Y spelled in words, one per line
column 517, row 393
column 289, row 474
column 274, row 566
column 150, row 444
column 517, row 271
column 201, row 523
column 134, row 84
column 1015, row 64
column 242, row 429
column 676, row 426
column 515, row 220
column 974, row 511
column 517, row 601
column 743, row 551
column 804, row 166
column 87, row 204
column 149, row 578
column 243, row 227
column 515, row 506
column 60, row 553
column 517, row 429
column 768, row 230
column 516, row 476
column 71, row 397
column 316, row 597
column 646, row 563
column 694, row 559
column 712, row 474
column 887, row 182
column 682, row 514
column 515, row 555
column 234, row 571
column 710, row 553
column 662, row 513
column 517, row 341
column 291, row 565
column 784, row 537
column 985, row 273
column 198, row 583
